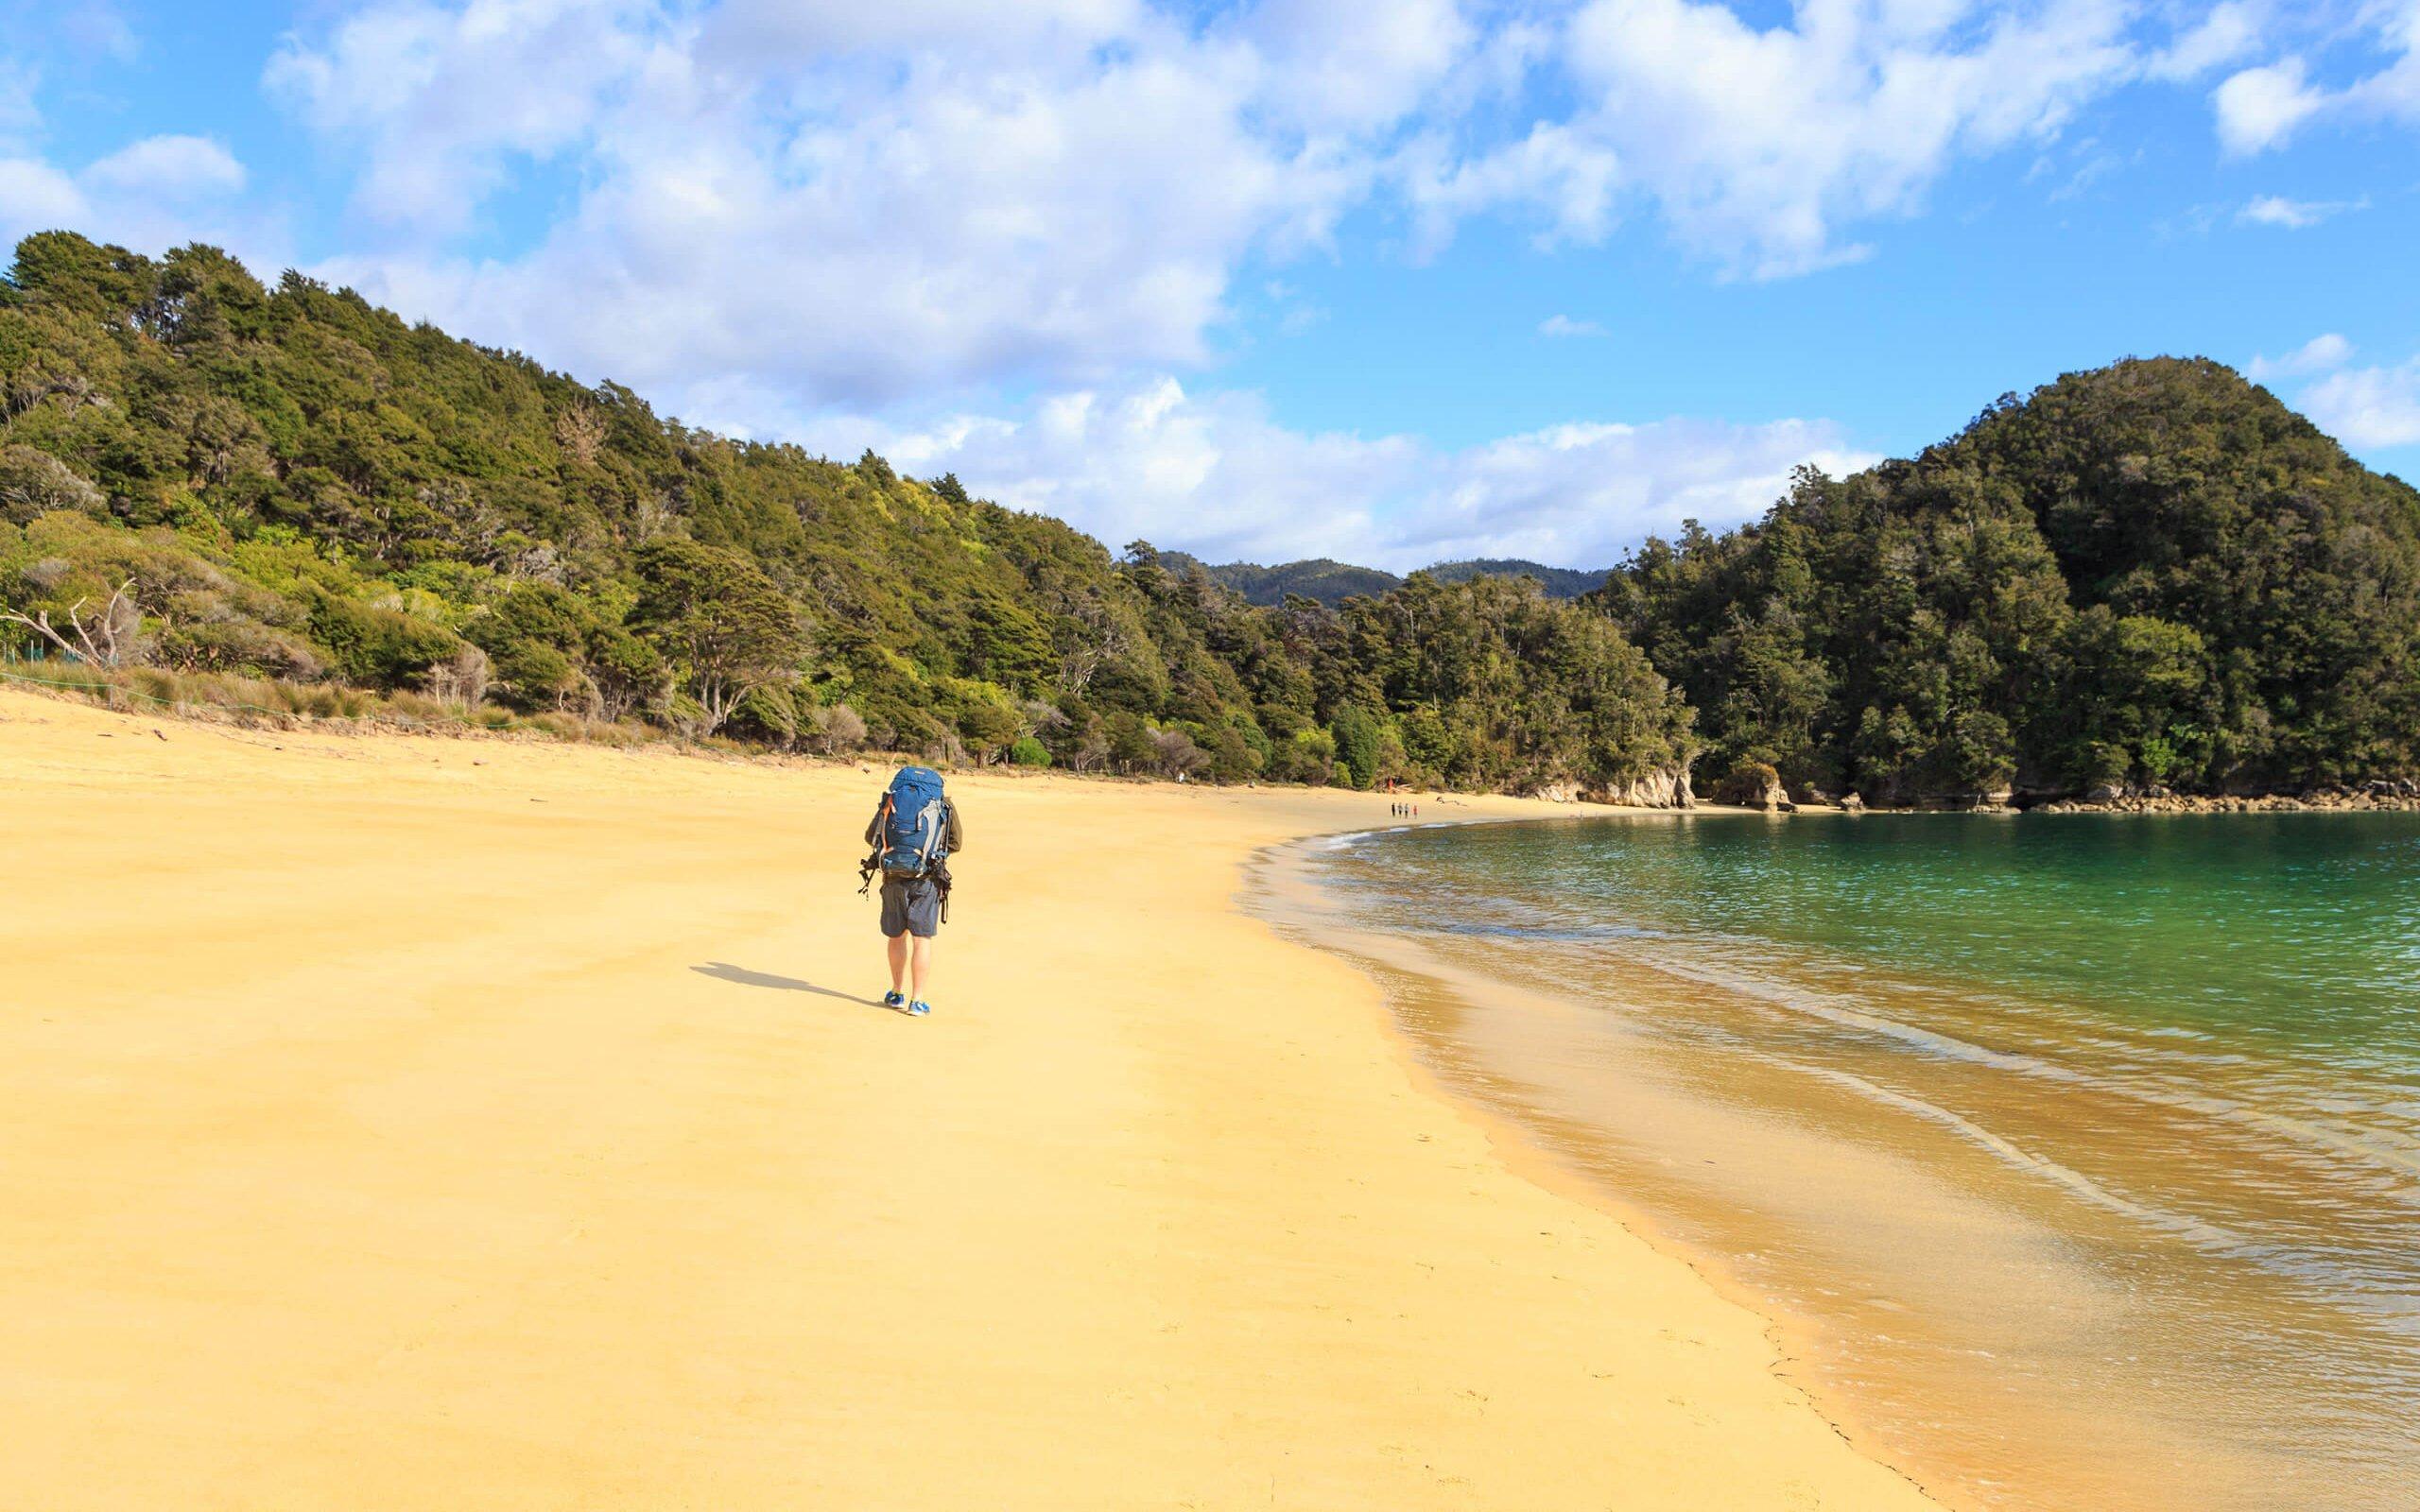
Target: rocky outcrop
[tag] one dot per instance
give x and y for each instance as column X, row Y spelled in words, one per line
column 1756, row 786
column 2383, row 793
column 1667, row 789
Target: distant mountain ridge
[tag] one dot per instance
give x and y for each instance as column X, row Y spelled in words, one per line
column 1331, row 582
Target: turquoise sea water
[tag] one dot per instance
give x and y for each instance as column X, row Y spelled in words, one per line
column 2082, row 1151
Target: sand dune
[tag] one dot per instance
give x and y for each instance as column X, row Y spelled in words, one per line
column 424, row 1123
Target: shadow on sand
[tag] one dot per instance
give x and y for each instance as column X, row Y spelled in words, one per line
column 725, row 971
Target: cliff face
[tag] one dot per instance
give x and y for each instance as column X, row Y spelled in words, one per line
column 1666, row 788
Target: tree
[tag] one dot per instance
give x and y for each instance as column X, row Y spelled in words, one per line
column 717, row 619
column 106, row 638
column 1129, row 745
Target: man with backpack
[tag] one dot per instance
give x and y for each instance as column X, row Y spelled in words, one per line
column 913, row 831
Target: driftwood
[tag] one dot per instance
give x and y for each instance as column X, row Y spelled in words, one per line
column 104, row 642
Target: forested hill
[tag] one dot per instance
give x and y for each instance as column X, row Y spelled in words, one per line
column 1320, row 579
column 2153, row 573
column 305, row 489
column 1558, row 582
column 1330, row 582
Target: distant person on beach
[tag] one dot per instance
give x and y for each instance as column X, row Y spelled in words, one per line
column 914, row 831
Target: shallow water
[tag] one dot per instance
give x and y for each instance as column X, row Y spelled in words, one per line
column 2078, row 1157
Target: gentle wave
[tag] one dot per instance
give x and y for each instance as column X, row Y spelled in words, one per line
column 2205, row 1036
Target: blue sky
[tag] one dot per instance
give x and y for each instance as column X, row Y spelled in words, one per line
column 1394, row 283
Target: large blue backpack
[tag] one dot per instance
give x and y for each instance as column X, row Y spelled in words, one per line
column 915, row 823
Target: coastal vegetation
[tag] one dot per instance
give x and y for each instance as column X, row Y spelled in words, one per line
column 2153, row 576
column 287, row 498
column 256, row 484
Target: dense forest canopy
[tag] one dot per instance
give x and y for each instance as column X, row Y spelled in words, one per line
column 2150, row 573
column 301, row 486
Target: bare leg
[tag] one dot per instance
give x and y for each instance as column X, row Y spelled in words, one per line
column 923, row 959
column 898, row 944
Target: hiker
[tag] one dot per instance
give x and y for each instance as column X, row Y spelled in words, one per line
column 914, row 831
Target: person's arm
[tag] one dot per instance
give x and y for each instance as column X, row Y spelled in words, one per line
column 953, row 839
column 873, row 825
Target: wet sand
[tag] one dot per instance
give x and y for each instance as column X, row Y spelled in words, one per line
column 2009, row 1332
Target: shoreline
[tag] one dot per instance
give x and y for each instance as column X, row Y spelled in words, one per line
column 516, row 1117
column 1516, row 1136
column 1869, row 1204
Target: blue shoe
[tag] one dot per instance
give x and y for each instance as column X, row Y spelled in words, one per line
column 918, row 1008
column 894, row 999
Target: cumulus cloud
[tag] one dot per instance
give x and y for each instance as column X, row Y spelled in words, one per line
column 1215, row 475
column 2368, row 407
column 2260, row 107
column 439, row 101
column 1556, row 170
column 151, row 194
column 2263, row 106
column 1336, row 68
column 2364, row 407
column 1760, row 145
column 36, row 196
column 860, row 205
column 172, row 166
column 864, row 203
column 2318, row 354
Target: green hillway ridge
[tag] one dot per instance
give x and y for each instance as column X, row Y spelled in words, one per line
column 2148, row 576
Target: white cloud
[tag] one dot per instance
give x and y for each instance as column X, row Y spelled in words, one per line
column 1564, row 325
column 1555, row 169
column 152, row 195
column 2228, row 32
column 2368, row 407
column 2318, row 354
column 2294, row 214
column 853, row 204
column 36, row 196
column 1759, row 144
column 441, row 101
column 2260, row 108
column 174, row 167
column 1335, row 67
column 1214, row 473
column 2374, row 406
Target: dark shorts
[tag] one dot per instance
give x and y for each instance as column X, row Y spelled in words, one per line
column 911, row 905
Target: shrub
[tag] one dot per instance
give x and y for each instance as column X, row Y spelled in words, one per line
column 34, row 483
column 837, row 730
column 380, row 646
column 1029, row 751
column 767, row 714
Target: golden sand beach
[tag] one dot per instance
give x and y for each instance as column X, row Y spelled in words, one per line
column 407, row 1123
